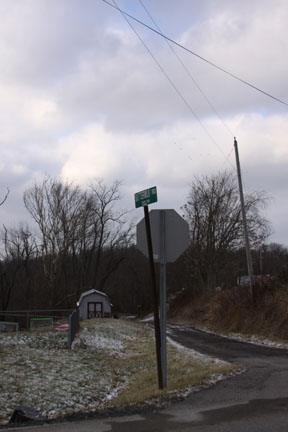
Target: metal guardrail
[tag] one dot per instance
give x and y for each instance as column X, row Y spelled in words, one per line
column 73, row 326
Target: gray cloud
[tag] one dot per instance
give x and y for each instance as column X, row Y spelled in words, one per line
column 81, row 97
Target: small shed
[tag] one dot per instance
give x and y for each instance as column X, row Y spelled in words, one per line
column 94, row 304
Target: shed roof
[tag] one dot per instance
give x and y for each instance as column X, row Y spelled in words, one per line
column 92, row 291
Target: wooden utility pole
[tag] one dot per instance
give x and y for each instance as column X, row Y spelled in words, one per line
column 163, row 290
column 247, row 243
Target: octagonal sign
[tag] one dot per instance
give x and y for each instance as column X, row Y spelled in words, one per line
column 176, row 231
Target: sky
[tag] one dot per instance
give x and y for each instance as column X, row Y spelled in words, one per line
column 84, row 95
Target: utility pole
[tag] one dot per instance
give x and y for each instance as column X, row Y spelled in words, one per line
column 163, row 289
column 247, row 243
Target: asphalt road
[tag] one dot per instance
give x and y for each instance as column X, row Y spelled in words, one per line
column 254, row 401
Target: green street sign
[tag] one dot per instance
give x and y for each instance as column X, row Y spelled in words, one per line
column 145, row 197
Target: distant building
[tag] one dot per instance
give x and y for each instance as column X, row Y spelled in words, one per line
column 243, row 280
column 94, row 304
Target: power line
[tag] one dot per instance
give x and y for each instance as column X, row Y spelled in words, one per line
column 197, row 55
column 171, row 82
column 187, row 71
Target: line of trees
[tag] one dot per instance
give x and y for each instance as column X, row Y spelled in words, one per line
column 82, row 241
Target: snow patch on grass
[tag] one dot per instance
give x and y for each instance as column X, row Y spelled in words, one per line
column 38, row 370
column 98, row 342
column 194, row 354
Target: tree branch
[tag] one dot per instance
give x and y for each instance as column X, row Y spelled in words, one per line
column 6, row 196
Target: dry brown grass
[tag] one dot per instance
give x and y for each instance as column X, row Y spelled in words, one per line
column 185, row 369
column 233, row 310
column 183, row 372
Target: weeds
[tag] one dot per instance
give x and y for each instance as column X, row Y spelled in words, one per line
column 233, row 310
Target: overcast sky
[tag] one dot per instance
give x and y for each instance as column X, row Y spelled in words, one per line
column 81, row 97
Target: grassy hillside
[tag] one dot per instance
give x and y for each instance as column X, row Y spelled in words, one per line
column 233, row 311
column 112, row 363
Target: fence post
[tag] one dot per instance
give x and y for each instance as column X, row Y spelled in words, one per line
column 73, row 326
column 70, row 331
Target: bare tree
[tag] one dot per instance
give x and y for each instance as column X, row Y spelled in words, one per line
column 109, row 230
column 213, row 211
column 56, row 207
column 5, row 197
column 79, row 234
column 19, row 248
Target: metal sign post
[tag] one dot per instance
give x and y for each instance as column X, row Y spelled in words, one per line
column 144, row 198
column 170, row 238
